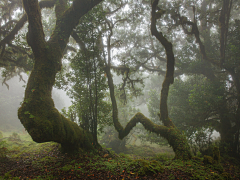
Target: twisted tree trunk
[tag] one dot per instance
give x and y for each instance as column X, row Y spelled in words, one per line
column 37, row 113
column 174, row 137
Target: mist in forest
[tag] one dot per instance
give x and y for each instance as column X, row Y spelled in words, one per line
column 11, row 96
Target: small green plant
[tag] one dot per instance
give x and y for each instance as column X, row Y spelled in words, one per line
column 110, row 165
column 199, row 154
column 163, row 157
column 3, row 149
column 171, row 176
column 7, row 175
column 15, row 136
column 196, row 159
column 145, row 167
column 67, row 167
column 73, row 161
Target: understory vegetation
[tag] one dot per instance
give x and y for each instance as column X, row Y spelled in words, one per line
column 22, row 158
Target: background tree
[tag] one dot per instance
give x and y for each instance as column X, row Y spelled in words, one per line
column 212, row 61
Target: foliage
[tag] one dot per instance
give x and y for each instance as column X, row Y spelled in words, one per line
column 152, row 95
column 192, row 102
column 15, row 137
column 145, row 167
column 86, row 77
column 45, row 161
column 3, row 149
column 109, row 137
column 192, row 105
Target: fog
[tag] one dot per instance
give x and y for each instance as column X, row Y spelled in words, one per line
column 11, row 98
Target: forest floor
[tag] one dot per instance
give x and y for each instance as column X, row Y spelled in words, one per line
column 21, row 158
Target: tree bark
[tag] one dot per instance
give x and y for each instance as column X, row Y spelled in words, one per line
column 174, row 137
column 37, row 113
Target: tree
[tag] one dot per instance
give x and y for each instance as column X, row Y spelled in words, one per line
column 213, row 61
column 88, row 92
column 37, row 113
column 167, row 130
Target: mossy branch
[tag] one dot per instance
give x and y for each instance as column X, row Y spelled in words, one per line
column 168, row 131
column 35, row 35
column 174, row 137
column 147, row 123
column 169, row 77
column 60, row 7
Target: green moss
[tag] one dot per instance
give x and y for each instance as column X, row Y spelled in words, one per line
column 67, row 167
column 38, row 115
column 146, row 167
column 175, row 138
column 48, row 124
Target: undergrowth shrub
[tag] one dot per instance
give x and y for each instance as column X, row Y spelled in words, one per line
column 15, row 137
column 146, row 167
column 3, row 149
column 67, row 167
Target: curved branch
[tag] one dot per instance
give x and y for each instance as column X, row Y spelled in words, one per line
column 14, row 31
column 35, row 35
column 60, row 7
column 23, row 20
column 169, row 78
column 168, row 131
column 11, row 22
column 109, row 13
column 79, row 41
column 70, row 18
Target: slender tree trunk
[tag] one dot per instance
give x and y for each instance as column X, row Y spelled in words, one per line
column 174, row 137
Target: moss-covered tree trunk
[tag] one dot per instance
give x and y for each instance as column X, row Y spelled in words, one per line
column 37, row 113
column 174, row 137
